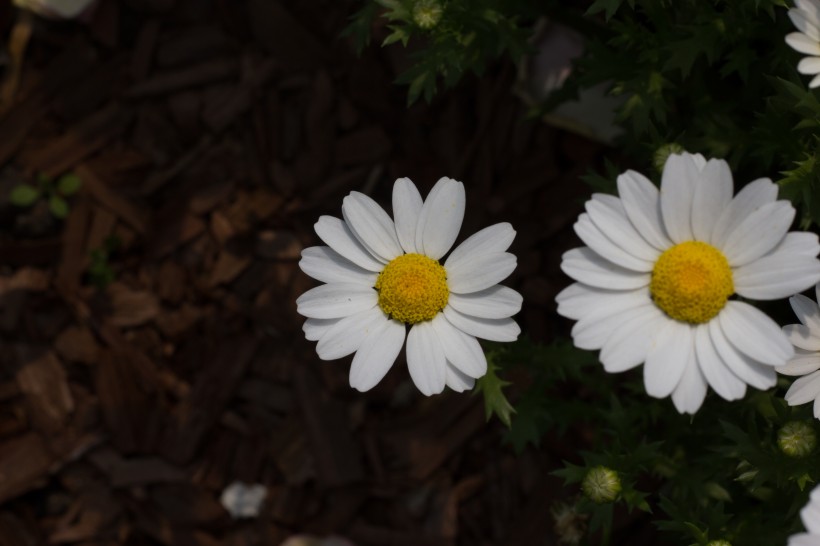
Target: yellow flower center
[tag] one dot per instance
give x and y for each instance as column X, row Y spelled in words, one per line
column 412, row 288
column 691, row 282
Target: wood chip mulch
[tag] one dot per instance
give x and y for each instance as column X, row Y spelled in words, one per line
column 209, row 137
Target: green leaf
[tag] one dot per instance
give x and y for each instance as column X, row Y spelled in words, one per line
column 69, row 184
column 24, row 195
column 58, row 206
column 495, row 402
column 608, row 6
column 359, row 27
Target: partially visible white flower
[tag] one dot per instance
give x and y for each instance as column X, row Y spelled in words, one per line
column 65, row 9
column 810, row 515
column 659, row 269
column 806, row 17
column 385, row 284
column 806, row 361
column 242, row 500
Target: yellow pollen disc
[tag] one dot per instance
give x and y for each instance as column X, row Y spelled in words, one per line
column 691, row 282
column 412, row 288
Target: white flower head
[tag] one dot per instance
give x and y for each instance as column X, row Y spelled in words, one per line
column 656, row 277
column 806, row 360
column 810, row 514
column 806, row 17
column 383, row 275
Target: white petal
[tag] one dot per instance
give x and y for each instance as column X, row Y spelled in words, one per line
column 755, row 334
column 749, row 199
column 811, row 8
column 801, row 243
column 326, row 265
column 594, row 330
column 376, row 355
column 641, row 201
column 810, row 514
column 457, row 380
column 407, row 204
column 462, row 350
column 803, row 362
column 809, row 65
column 584, row 265
column 425, row 359
column 761, row 232
column 440, row 218
column 595, row 239
column 666, row 360
column 801, row 337
column 494, row 302
column 815, row 82
column 680, row 175
column 713, row 193
column 337, row 235
column 630, row 340
column 802, row 43
column 336, row 300
column 700, row 161
column 807, row 311
column 747, row 369
column 480, row 272
column 315, row 328
column 717, row 373
column 804, row 389
column 688, row 396
column 371, row 225
column 608, row 214
column 347, row 335
column 804, row 24
column 578, row 300
column 803, row 539
column 776, row 276
column 490, row 329
column 495, row 238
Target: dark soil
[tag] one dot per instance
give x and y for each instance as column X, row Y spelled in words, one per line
column 150, row 349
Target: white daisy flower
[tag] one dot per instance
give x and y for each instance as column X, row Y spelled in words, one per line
column 806, row 17
column 810, row 514
column 383, row 276
column 655, row 278
column 806, row 360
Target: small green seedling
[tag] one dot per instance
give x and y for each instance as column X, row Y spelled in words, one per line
column 100, row 272
column 56, row 192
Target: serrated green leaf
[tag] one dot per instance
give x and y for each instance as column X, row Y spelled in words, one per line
column 399, row 34
column 69, row 184
column 495, row 402
column 24, row 195
column 58, row 206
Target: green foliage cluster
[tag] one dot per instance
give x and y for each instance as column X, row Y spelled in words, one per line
column 454, row 37
column 719, row 474
column 709, row 76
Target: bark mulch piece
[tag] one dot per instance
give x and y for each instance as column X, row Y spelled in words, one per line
column 150, row 346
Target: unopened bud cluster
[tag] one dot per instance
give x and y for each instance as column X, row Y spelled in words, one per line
column 796, row 439
column 427, row 13
column 601, row 484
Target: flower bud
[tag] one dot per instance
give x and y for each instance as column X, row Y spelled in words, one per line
column 663, row 153
column 796, row 439
column 601, row 484
column 427, row 13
